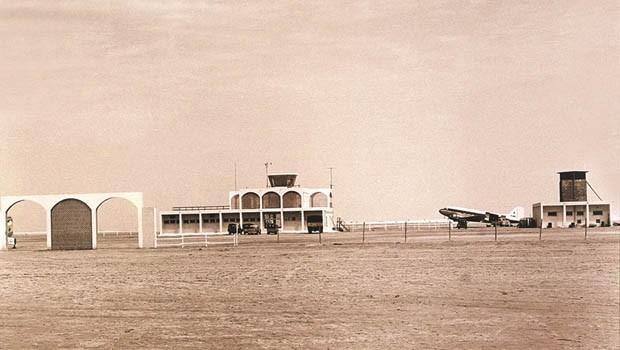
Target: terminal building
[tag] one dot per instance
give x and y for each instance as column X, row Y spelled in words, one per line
column 282, row 202
column 573, row 209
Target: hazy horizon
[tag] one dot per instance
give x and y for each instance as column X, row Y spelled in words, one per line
column 416, row 105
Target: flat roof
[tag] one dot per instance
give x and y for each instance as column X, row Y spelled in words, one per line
column 559, row 204
column 572, row 171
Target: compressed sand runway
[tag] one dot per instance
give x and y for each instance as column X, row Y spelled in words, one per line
column 470, row 293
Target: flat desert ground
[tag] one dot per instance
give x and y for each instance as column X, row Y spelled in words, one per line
column 472, row 292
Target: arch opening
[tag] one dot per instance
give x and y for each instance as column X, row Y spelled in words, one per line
column 72, row 225
column 318, row 199
column 234, row 202
column 250, row 201
column 117, row 223
column 271, row 200
column 29, row 225
column 291, row 200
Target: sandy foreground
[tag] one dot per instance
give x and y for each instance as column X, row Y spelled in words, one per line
column 429, row 293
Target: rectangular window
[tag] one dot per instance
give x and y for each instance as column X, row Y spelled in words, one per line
column 598, row 221
column 597, row 212
column 170, row 220
column 552, row 213
column 579, row 221
column 569, row 213
column 579, row 212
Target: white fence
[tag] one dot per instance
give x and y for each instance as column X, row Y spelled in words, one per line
column 117, row 233
column 182, row 240
column 411, row 225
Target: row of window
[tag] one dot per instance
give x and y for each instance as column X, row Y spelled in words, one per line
column 579, row 213
column 174, row 221
column 205, row 221
column 598, row 221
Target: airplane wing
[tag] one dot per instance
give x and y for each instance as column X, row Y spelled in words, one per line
column 493, row 217
column 456, row 214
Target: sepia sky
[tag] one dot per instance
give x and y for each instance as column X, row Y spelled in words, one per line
column 416, row 104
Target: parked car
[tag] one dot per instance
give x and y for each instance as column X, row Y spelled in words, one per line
column 251, row 229
column 232, row 229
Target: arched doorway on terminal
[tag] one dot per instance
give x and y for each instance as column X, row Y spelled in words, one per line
column 318, row 199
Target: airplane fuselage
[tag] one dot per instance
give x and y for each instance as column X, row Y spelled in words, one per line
column 463, row 215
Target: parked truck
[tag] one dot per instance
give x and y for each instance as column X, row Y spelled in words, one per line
column 315, row 223
column 271, row 224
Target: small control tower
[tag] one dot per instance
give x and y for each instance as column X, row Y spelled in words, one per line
column 282, row 180
column 574, row 209
column 573, row 186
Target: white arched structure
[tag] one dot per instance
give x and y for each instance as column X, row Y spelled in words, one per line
column 93, row 200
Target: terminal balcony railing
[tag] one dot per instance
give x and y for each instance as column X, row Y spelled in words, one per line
column 201, row 207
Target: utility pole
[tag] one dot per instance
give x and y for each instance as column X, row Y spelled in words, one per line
column 267, row 164
column 331, row 188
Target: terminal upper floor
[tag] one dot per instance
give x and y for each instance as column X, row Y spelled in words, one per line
column 280, row 198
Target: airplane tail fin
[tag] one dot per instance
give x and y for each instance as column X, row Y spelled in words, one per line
column 517, row 213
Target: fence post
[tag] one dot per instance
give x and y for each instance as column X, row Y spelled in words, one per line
column 540, row 232
column 495, row 232
column 363, row 231
column 586, row 232
column 449, row 231
column 405, row 231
